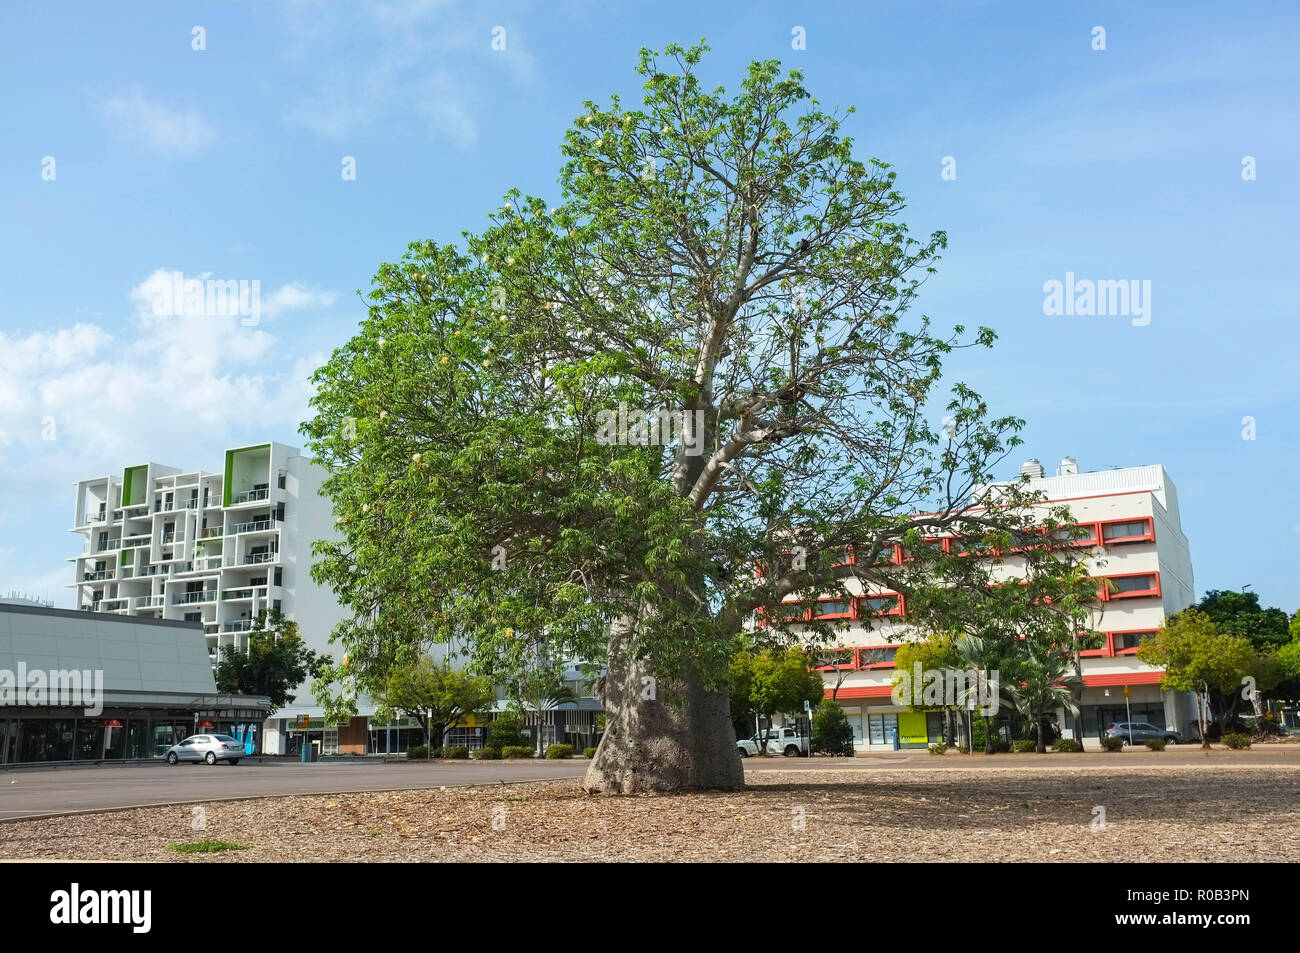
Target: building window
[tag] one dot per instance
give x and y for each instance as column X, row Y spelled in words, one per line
column 834, row 609
column 833, row 658
column 279, row 576
column 881, row 729
column 883, row 604
column 878, row 655
column 1129, row 641
column 1139, row 584
column 280, row 481
column 1126, row 531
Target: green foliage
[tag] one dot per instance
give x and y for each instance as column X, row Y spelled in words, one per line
column 434, row 694
column 831, row 732
column 418, row 752
column 589, row 753
column 770, row 681
column 1068, row 745
column 1156, row 744
column 276, row 663
column 485, row 754
column 517, row 751
column 1236, row 740
column 998, row 745
column 457, row 753
column 1021, row 745
column 1239, row 613
column 938, row 748
column 556, row 752
column 1111, row 744
column 507, row 731
column 760, row 278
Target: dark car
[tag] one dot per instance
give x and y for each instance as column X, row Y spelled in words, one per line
column 1137, row 732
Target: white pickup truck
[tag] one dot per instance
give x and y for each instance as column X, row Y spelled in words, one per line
column 783, row 741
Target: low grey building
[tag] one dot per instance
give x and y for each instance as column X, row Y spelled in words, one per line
column 96, row 686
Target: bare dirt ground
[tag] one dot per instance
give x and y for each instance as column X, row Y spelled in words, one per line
column 1176, row 813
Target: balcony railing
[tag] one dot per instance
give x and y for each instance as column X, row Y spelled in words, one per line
column 245, row 593
column 248, row 496
column 256, row 526
column 208, row 532
column 147, row 602
column 241, row 626
column 188, row 598
column 253, row 559
column 172, row 537
column 96, row 576
column 111, row 544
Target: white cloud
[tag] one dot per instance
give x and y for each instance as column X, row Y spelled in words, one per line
column 160, row 126
column 295, row 296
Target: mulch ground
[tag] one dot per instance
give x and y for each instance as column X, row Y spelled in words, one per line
column 1069, row 814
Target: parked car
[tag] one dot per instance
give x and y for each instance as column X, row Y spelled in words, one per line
column 785, row 741
column 1138, row 732
column 206, row 748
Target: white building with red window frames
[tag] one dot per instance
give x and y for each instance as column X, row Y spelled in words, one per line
column 1136, row 542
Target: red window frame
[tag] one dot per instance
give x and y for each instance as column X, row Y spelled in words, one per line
column 1110, row 640
column 847, row 599
column 890, row 663
column 852, row 663
column 866, row 611
column 1148, row 537
column 1099, row 652
column 1093, row 540
column 1154, row 590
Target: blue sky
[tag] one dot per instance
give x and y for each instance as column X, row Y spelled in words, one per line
column 1123, row 163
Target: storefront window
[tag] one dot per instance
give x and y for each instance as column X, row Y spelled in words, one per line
column 881, row 728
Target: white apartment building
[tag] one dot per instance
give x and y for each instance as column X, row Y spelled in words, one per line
column 214, row 548
column 1135, row 541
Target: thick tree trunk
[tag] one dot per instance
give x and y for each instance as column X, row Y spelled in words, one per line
column 660, row 737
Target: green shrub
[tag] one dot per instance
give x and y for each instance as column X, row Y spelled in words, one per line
column 418, row 752
column 1067, row 745
column 1236, row 740
column 507, row 731
column 556, row 752
column 485, row 754
column 1022, row 745
column 457, row 752
column 938, row 748
column 831, row 731
column 1156, row 744
column 1001, row 746
column 516, row 751
column 589, row 753
column 1111, row 744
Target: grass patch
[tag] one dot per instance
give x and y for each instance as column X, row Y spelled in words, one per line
column 206, row 847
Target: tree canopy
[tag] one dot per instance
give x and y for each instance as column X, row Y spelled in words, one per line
column 586, row 424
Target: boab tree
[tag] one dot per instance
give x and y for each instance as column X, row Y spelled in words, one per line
column 581, row 431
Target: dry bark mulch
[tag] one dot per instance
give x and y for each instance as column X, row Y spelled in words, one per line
column 1167, row 814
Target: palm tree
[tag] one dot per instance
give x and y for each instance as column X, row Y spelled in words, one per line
column 1044, row 685
column 542, row 689
column 980, row 657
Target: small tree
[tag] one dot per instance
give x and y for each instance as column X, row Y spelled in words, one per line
column 507, row 731
column 538, row 689
column 772, row 680
column 434, row 694
column 276, row 662
column 831, row 731
column 1196, row 657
